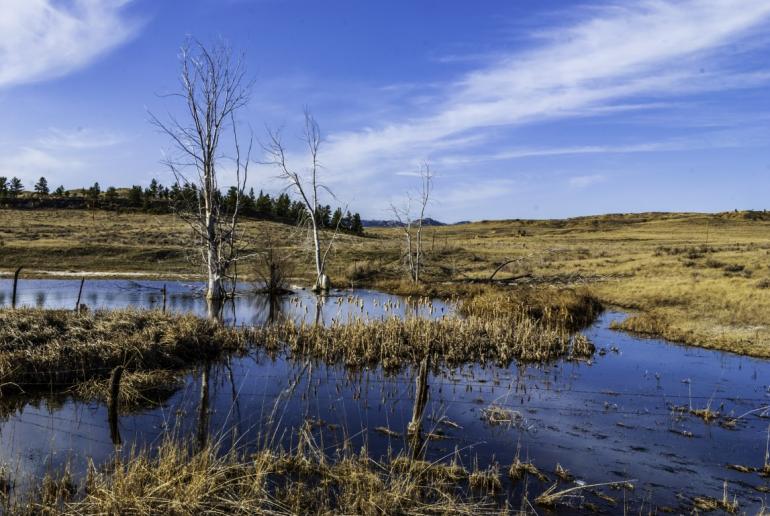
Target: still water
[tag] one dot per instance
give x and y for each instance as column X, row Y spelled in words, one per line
column 606, row 420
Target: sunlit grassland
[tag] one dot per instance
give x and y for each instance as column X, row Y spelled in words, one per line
column 695, row 278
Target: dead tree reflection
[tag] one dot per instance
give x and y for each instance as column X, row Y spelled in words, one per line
column 203, row 408
column 417, row 442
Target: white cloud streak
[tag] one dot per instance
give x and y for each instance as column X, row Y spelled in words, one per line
column 652, row 48
column 80, row 138
column 43, row 39
column 586, row 181
column 58, row 155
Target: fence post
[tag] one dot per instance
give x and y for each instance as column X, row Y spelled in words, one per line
column 164, row 298
column 15, row 283
column 113, row 403
column 80, row 293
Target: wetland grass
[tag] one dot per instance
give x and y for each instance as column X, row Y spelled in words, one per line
column 395, row 343
column 661, row 265
column 175, row 480
column 55, row 349
column 572, row 308
column 708, row 504
column 519, row 469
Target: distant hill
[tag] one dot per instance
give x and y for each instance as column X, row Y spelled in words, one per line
column 427, row 221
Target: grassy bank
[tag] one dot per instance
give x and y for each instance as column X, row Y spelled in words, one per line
column 176, row 480
column 701, row 279
column 53, row 350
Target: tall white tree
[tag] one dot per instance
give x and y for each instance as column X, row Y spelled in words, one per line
column 213, row 88
column 306, row 184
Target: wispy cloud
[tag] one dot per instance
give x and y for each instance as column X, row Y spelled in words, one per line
column 586, row 181
column 41, row 39
column 29, row 163
column 711, row 140
column 80, row 138
column 620, row 52
column 60, row 155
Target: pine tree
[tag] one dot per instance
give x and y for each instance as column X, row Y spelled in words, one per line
column 111, row 195
column 283, row 207
column 263, row 205
column 16, row 188
column 297, row 212
column 337, row 218
column 347, row 222
column 135, row 196
column 41, row 187
column 231, row 200
column 154, row 188
column 3, row 186
column 93, row 195
column 59, row 192
column 357, row 226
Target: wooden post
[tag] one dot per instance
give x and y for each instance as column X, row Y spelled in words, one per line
column 203, row 409
column 164, row 298
column 113, row 404
column 80, row 293
column 15, row 283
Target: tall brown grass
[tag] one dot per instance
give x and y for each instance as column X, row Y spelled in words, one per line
column 54, row 349
column 393, row 343
column 174, row 479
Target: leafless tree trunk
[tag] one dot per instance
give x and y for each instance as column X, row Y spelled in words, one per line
column 307, row 185
column 214, row 89
column 413, row 228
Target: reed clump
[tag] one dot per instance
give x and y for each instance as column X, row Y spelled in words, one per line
column 55, row 349
column 518, row 469
column 572, row 308
column 176, row 480
column 137, row 388
column 394, row 343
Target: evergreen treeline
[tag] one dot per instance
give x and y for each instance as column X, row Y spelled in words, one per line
column 158, row 198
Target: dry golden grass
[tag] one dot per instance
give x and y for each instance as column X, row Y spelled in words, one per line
column 176, row 480
column 494, row 330
column 54, row 349
column 694, row 278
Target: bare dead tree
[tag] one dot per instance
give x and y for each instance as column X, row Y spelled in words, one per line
column 307, row 185
column 214, row 89
column 412, row 227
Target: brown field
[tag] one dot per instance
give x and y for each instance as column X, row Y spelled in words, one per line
column 701, row 279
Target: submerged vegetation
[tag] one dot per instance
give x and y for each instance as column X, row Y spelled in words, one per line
column 56, row 349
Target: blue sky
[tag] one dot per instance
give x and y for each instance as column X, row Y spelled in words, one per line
column 539, row 108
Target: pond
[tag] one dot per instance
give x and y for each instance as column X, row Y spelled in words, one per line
column 247, row 308
column 607, row 420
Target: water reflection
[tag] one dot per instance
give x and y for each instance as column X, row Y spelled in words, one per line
column 604, row 421
column 113, row 406
column 246, row 308
column 203, row 409
column 414, row 429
